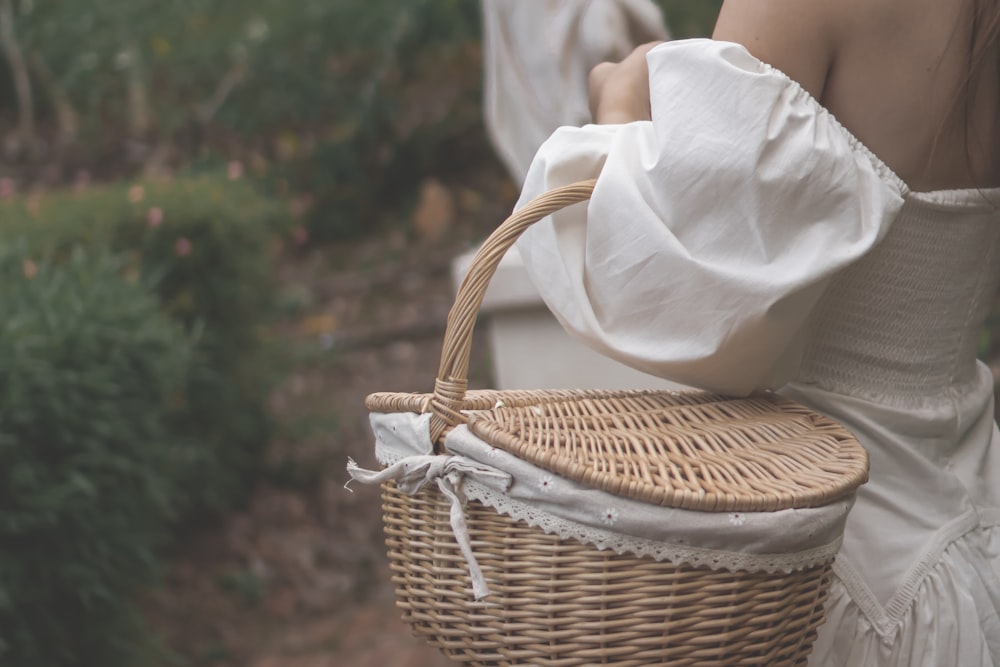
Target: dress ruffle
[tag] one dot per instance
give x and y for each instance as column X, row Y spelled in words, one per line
column 952, row 621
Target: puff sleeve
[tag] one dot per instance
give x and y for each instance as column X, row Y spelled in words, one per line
column 714, row 228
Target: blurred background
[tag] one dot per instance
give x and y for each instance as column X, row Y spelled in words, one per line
column 222, row 224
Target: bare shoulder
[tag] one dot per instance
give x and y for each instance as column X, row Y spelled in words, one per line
column 890, row 71
column 800, row 37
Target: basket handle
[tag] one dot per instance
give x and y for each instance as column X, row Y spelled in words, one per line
column 450, row 386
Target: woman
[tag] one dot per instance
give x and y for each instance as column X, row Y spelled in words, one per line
column 809, row 203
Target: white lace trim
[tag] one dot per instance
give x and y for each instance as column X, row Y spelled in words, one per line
column 643, row 547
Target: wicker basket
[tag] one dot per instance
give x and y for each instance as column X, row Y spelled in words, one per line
column 559, row 601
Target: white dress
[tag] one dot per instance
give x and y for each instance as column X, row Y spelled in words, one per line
column 744, row 239
column 536, row 58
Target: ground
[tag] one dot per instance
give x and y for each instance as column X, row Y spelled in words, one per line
column 298, row 577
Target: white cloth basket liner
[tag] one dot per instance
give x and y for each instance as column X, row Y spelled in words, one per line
column 780, row 541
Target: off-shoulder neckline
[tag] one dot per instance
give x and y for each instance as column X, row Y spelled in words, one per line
column 950, row 198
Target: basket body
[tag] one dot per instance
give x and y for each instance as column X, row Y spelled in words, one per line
column 665, row 468
column 560, row 602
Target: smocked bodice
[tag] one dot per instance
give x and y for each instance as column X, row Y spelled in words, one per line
column 905, row 320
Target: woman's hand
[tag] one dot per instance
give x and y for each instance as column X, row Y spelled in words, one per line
column 619, row 92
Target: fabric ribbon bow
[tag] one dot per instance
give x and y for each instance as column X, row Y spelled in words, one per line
column 414, row 472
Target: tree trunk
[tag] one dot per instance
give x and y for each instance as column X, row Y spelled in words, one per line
column 19, row 70
column 226, row 85
column 138, row 93
column 66, row 115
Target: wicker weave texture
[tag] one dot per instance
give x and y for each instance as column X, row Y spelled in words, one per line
column 689, row 450
column 560, row 603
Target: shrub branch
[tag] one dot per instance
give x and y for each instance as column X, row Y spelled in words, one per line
column 19, row 70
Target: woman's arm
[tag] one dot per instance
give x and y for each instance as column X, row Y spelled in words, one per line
column 797, row 37
column 619, row 92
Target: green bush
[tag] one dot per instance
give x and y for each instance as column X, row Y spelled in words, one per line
column 289, row 63
column 354, row 100
column 88, row 369
column 205, row 243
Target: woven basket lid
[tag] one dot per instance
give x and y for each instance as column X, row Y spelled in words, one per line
column 690, row 450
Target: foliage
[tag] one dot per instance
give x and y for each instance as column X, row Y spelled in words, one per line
column 353, row 99
column 420, row 114
column 205, row 244
column 690, row 18
column 396, row 99
column 88, row 369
